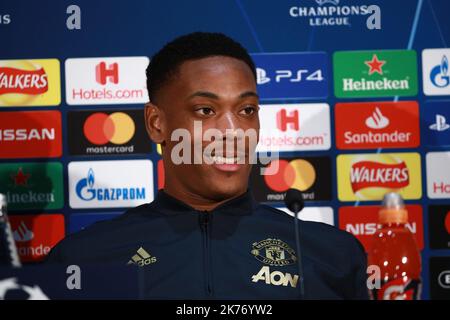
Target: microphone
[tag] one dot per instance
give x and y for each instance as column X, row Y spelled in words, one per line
column 294, row 202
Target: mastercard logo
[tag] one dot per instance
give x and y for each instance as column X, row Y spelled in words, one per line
column 101, row 128
column 298, row 174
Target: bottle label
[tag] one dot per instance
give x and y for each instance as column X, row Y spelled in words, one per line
column 398, row 290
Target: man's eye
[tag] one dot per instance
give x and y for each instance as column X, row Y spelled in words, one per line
column 247, row 111
column 205, row 111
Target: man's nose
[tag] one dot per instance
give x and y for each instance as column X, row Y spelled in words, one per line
column 228, row 124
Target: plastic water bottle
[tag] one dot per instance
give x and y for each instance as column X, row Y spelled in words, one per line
column 395, row 252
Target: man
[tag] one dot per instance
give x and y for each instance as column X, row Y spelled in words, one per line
column 204, row 236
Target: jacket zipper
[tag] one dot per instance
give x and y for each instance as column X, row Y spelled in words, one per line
column 204, row 225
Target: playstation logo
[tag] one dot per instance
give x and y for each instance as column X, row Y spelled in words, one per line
column 261, row 76
column 322, row 2
column 440, row 124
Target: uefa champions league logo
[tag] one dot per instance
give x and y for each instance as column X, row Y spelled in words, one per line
column 439, row 74
column 322, row 2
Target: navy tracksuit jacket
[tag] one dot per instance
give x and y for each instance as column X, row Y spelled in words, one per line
column 240, row 250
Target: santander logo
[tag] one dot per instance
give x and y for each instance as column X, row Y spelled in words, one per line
column 377, row 120
column 377, row 125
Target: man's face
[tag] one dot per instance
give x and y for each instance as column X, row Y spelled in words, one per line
column 219, row 93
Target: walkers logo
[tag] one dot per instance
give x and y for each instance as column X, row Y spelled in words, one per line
column 438, row 175
column 436, row 123
column 439, row 226
column 30, row 134
column 107, row 132
column 367, row 177
column 294, row 127
column 435, row 72
column 362, row 222
column 316, row 214
column 366, row 74
column 32, row 185
column 377, row 125
column 310, row 175
column 292, row 75
column 30, row 83
column 106, row 80
column 110, row 184
column 36, row 235
column 440, row 278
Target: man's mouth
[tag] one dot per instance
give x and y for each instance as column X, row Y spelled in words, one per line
column 227, row 163
column 227, row 160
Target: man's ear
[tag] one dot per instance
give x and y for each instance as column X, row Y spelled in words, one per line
column 154, row 122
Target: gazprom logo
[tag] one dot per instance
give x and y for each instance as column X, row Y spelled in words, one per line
column 86, row 191
column 439, row 74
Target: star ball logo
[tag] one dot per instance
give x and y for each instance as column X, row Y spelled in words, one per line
column 30, row 82
column 311, row 175
column 435, row 72
column 382, row 73
column 106, row 132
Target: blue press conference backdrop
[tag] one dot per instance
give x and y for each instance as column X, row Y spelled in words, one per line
column 39, row 30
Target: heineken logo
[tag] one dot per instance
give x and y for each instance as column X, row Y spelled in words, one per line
column 20, row 178
column 32, row 185
column 383, row 73
column 375, row 65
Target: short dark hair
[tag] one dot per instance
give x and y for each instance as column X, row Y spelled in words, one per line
column 166, row 62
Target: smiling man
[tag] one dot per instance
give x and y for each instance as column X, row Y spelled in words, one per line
column 204, row 236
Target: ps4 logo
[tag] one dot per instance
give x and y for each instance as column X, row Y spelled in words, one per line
column 322, row 2
column 439, row 74
column 289, row 75
column 440, row 124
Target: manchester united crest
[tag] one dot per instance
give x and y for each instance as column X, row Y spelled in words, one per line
column 273, row 252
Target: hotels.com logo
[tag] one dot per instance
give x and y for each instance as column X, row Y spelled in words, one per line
column 29, row 82
column 377, row 125
column 106, row 80
column 438, row 175
column 294, row 127
column 102, row 73
column 283, row 120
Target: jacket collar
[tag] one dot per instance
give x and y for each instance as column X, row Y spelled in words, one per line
column 241, row 205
